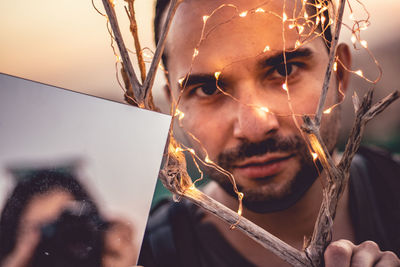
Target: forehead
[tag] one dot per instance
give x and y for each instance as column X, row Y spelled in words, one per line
column 227, row 37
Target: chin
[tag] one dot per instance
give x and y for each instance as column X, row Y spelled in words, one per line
column 273, row 194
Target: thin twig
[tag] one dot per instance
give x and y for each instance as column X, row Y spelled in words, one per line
column 134, row 30
column 338, row 175
column 148, row 84
column 328, row 72
column 137, row 89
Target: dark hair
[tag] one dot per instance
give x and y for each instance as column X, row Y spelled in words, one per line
column 162, row 5
column 38, row 182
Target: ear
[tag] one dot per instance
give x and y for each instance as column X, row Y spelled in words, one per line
column 344, row 56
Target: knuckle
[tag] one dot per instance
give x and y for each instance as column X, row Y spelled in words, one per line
column 340, row 248
column 370, row 245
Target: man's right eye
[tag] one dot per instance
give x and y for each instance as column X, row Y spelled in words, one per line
column 204, row 90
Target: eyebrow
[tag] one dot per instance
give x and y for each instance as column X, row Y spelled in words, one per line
column 201, row 78
column 278, row 58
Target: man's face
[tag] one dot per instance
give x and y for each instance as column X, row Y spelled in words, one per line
column 249, row 128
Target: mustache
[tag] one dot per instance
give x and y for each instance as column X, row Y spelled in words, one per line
column 248, row 149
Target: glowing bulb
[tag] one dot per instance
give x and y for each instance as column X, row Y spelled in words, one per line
column 284, row 17
column 300, row 28
column 353, row 38
column 364, row 43
column 178, row 149
column 297, row 44
column 314, row 155
column 323, row 9
column 180, row 113
column 317, row 21
column 205, row 18
column 180, row 81
column 351, row 16
column 243, row 14
column 335, row 66
column 305, row 15
column 265, row 109
column 191, row 150
column 327, row 111
column 285, row 87
column 318, row 6
column 207, row 159
column 216, row 74
column 291, row 26
column 364, row 27
column 323, row 19
column 195, row 53
column 240, row 212
column 267, row 48
column 118, row 58
column 260, row 10
column 359, row 73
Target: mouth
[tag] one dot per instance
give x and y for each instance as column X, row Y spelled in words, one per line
column 264, row 166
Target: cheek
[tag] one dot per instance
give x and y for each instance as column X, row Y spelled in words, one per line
column 208, row 125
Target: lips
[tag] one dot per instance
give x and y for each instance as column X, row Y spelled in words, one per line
column 263, row 167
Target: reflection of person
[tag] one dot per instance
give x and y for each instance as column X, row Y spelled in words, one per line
column 51, row 211
column 264, row 150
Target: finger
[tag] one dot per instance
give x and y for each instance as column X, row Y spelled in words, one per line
column 388, row 259
column 339, row 253
column 366, row 254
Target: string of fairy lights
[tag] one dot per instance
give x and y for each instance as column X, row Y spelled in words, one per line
column 308, row 26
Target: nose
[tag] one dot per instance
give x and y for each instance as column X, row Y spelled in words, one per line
column 254, row 122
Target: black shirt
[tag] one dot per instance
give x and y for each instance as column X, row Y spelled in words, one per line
column 176, row 236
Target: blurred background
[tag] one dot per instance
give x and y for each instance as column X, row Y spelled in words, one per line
column 66, row 43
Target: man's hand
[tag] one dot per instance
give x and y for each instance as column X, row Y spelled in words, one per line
column 343, row 253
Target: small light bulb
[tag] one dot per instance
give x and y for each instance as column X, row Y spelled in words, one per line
column 314, row 155
column 285, row 87
column 191, row 151
column 297, row 44
column 300, row 28
column 265, row 109
column 216, row 74
column 267, row 48
column 351, row 16
column 317, row 21
column 180, row 81
column 291, row 26
column 323, row 19
column 364, row 43
column 305, row 15
column 359, row 73
column 327, row 111
column 205, row 18
column 335, row 66
column 284, row 17
column 195, row 53
column 259, row 10
column 243, row 14
column 207, row 159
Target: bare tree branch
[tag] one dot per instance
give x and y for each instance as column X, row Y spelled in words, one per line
column 148, row 84
column 332, row 53
column 130, row 11
column 112, row 18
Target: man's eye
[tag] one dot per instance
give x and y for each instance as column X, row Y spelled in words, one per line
column 281, row 70
column 205, row 90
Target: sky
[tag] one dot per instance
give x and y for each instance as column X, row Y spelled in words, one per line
column 65, row 42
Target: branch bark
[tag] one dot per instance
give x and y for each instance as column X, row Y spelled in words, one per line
column 148, row 84
column 332, row 53
column 112, row 18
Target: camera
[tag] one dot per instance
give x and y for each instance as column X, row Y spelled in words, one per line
column 74, row 239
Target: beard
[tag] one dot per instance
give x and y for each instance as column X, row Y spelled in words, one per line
column 266, row 197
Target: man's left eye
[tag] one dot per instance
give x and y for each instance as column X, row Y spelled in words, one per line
column 281, row 70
